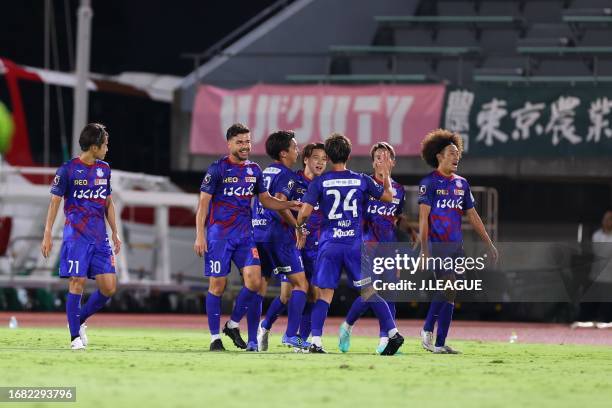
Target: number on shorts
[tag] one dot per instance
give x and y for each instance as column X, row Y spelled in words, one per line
column 215, row 266
column 349, row 204
column 75, row 264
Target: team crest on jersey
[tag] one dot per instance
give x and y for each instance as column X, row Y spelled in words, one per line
column 458, row 183
column 99, row 172
column 422, row 189
column 249, row 171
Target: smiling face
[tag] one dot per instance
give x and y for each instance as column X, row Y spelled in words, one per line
column 239, row 147
column 316, row 163
column 448, row 159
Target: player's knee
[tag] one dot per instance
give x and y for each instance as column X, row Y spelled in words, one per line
column 284, row 298
column 77, row 285
column 450, row 295
column 108, row 291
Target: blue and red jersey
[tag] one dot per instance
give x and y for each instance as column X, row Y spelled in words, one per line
column 313, row 225
column 449, row 198
column 380, row 217
column 85, row 189
column 268, row 225
column 232, row 187
column 342, row 197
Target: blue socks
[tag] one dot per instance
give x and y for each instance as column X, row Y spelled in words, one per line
column 95, row 302
column 391, row 305
column 253, row 316
column 213, row 311
column 444, row 321
column 357, row 309
column 73, row 313
column 243, row 301
column 319, row 314
column 306, row 324
column 382, row 312
column 276, row 309
column 297, row 301
column 432, row 315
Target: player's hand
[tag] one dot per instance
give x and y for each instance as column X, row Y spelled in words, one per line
column 116, row 243
column 294, row 205
column 200, row 247
column 46, row 245
column 494, row 253
column 384, row 165
column 300, row 241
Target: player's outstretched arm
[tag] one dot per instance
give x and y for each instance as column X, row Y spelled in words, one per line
column 273, row 203
column 200, row 246
column 47, row 242
column 479, row 227
column 112, row 223
column 300, row 227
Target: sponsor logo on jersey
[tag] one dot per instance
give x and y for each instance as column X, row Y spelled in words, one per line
column 341, row 183
column 339, row 233
column 56, row 180
column 250, row 179
column 230, row 180
column 100, row 182
column 441, row 192
column 281, row 269
column 80, row 182
column 458, row 192
column 259, row 222
column 207, row 178
column 270, row 170
column 99, row 172
column 422, row 189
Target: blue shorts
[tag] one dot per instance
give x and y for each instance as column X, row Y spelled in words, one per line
column 279, row 259
column 309, row 257
column 85, row 260
column 217, row 260
column 332, row 258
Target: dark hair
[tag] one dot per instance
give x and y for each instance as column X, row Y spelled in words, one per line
column 277, row 142
column 93, row 134
column 436, row 141
column 338, row 148
column 382, row 145
column 235, row 130
column 308, row 149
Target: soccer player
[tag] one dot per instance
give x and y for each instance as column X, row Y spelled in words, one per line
column 444, row 197
column 224, row 231
column 314, row 162
column 84, row 183
column 274, row 234
column 342, row 196
column 380, row 220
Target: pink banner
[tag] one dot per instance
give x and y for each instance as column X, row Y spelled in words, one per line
column 398, row 114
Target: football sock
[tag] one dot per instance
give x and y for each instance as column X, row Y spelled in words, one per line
column 295, row 310
column 306, row 322
column 73, row 312
column 444, row 321
column 244, row 299
column 276, row 309
column 253, row 316
column 382, row 312
column 383, row 332
column 95, row 302
column 357, row 309
column 432, row 315
column 213, row 312
column 319, row 313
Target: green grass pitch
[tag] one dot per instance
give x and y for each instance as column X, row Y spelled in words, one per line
column 173, row 368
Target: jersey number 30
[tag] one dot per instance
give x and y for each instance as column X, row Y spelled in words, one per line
column 349, row 204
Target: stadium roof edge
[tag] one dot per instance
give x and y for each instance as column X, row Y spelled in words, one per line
column 243, row 42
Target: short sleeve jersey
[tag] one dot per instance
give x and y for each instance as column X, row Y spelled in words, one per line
column 268, row 225
column 316, row 218
column 342, row 197
column 232, row 187
column 85, row 189
column 380, row 217
column 449, row 198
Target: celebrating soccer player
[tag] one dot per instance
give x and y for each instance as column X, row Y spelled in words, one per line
column 443, row 198
column 84, row 183
column 341, row 195
column 224, row 231
column 380, row 220
column 314, row 162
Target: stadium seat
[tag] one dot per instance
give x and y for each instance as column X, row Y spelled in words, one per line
column 497, row 8
column 456, row 8
column 543, row 11
column 413, row 36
